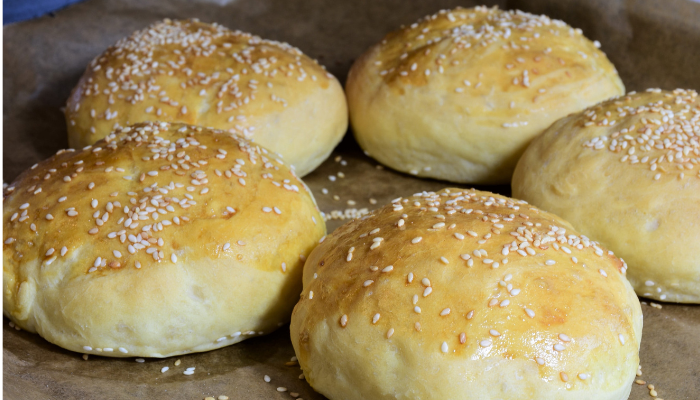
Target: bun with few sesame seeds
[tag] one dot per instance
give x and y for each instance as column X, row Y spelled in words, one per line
column 463, row 294
column 204, row 74
column 458, row 95
column 159, row 240
column 625, row 172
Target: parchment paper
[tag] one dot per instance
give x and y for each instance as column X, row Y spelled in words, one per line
column 652, row 43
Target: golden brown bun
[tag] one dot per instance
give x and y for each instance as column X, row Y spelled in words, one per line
column 486, row 328
column 89, row 283
column 204, row 74
column 458, row 95
column 625, row 172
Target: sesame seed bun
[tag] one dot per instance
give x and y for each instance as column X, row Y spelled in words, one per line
column 204, row 74
column 625, row 172
column 159, row 240
column 463, row 294
column 458, row 95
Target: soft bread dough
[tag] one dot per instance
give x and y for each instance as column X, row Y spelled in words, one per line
column 625, row 172
column 229, row 222
column 458, row 95
column 204, row 74
column 417, row 301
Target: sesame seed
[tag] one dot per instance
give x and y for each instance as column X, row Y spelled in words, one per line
column 266, row 378
column 425, row 282
column 416, row 239
column 375, row 318
column 583, row 376
column 388, row 268
column 444, row 260
column 485, row 343
column 550, row 262
column 368, row 282
column 564, row 337
column 559, row 347
column 164, row 369
column 344, row 320
column 427, row 291
column 622, row 338
column 444, row 347
column 390, row 333
column 494, row 332
column 445, row 312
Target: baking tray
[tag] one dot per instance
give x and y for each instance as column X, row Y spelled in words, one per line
column 652, row 43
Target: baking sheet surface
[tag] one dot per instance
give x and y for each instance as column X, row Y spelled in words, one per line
column 652, row 43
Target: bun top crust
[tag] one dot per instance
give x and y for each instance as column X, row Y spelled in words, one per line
column 150, row 198
column 463, row 276
column 529, row 60
column 207, row 75
column 632, row 160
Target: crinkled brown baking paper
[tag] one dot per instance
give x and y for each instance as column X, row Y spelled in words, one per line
column 652, row 43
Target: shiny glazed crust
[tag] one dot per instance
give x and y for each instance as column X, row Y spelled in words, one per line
column 159, row 240
column 458, row 95
column 204, row 74
column 626, row 173
column 463, row 294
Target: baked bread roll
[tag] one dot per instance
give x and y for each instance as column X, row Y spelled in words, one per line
column 463, row 294
column 458, row 95
column 204, row 74
column 159, row 240
column 625, row 172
